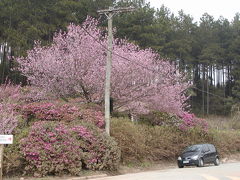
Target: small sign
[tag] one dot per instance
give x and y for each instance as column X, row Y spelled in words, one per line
column 6, row 139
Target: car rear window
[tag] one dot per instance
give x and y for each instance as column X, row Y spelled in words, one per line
column 212, row 148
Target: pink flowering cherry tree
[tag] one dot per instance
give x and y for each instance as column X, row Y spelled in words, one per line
column 75, row 65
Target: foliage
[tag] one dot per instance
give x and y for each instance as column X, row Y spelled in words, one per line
column 183, row 122
column 55, row 148
column 23, row 22
column 235, row 122
column 131, row 139
column 157, row 118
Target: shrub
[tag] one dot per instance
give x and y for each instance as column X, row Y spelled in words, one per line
column 102, row 151
column 191, row 121
column 50, row 149
column 131, row 139
column 157, row 118
column 139, row 142
column 13, row 163
column 96, row 117
column 50, row 112
column 184, row 122
column 227, row 142
column 235, row 122
column 56, row 148
column 53, row 111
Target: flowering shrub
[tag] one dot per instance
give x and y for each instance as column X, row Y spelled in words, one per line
column 190, row 121
column 56, row 112
column 101, row 150
column 50, row 148
column 50, row 112
column 55, row 148
column 9, row 95
column 94, row 116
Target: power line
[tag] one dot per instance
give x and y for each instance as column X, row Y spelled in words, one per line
column 138, row 63
column 207, row 92
column 116, row 53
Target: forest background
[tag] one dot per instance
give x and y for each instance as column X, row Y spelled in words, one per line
column 208, row 51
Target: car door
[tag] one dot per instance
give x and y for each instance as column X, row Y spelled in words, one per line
column 212, row 154
column 206, row 154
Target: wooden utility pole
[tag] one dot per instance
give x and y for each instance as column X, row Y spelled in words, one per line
column 110, row 13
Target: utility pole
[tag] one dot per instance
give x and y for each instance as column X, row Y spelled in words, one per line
column 110, row 13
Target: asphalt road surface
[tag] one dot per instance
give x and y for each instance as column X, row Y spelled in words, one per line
column 229, row 171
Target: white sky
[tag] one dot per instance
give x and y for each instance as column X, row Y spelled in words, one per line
column 216, row 8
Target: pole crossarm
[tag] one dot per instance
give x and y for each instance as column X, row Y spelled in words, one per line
column 116, row 10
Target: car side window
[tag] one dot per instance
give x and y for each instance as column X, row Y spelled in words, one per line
column 212, row 148
column 205, row 148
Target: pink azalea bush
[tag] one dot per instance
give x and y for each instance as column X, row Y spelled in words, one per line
column 101, row 150
column 50, row 148
column 49, row 111
column 52, row 111
column 190, row 121
column 56, row 148
column 94, row 116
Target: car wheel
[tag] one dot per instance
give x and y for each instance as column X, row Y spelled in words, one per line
column 216, row 161
column 200, row 163
column 180, row 166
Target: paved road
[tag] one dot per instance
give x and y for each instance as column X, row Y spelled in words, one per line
column 230, row 171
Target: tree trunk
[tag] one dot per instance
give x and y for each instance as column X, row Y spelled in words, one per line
column 224, row 92
column 3, row 64
column 207, row 91
column 211, row 77
column 203, row 81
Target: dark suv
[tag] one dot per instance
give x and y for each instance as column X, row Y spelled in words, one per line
column 198, row 155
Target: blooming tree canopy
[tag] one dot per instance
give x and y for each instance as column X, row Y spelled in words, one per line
column 75, row 65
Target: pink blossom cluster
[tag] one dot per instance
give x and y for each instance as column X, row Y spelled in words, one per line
column 53, row 111
column 9, row 96
column 53, row 147
column 74, row 65
column 190, row 121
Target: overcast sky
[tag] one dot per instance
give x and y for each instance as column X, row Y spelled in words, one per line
column 216, row 8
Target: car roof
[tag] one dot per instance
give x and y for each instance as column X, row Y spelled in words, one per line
column 201, row 144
